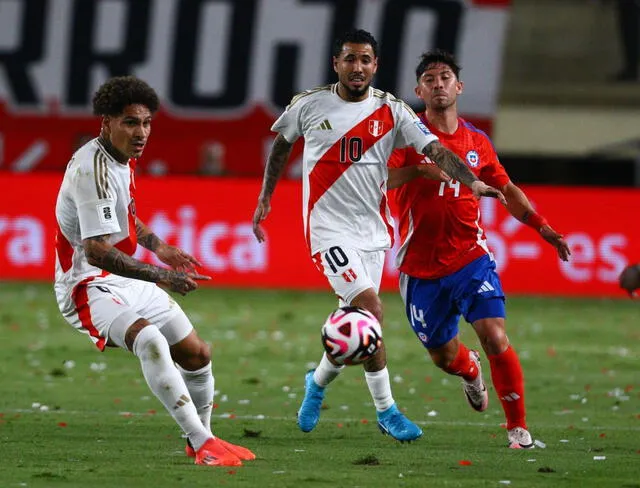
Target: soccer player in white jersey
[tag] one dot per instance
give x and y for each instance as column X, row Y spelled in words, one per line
column 117, row 300
column 349, row 130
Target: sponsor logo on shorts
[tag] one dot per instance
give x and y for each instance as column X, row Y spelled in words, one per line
column 423, row 337
column 486, row 286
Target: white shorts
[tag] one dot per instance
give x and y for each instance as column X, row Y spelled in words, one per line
column 106, row 307
column 350, row 271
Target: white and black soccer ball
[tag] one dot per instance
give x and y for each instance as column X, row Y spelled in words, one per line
column 351, row 335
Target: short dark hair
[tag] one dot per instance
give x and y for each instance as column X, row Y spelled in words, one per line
column 355, row 36
column 118, row 92
column 437, row 56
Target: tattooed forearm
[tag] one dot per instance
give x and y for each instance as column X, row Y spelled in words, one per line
column 449, row 162
column 275, row 164
column 146, row 237
column 104, row 256
column 117, row 262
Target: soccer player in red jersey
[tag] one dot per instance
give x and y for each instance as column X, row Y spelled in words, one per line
column 446, row 267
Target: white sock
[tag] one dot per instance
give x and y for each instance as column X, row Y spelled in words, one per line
column 200, row 384
column 326, row 372
column 167, row 385
column 380, row 388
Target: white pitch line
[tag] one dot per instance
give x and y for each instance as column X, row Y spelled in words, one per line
column 457, row 423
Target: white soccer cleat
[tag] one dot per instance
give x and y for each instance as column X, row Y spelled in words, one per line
column 519, row 438
column 476, row 391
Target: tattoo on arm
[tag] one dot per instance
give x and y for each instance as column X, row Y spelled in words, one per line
column 103, row 255
column 275, row 164
column 449, row 162
column 146, row 237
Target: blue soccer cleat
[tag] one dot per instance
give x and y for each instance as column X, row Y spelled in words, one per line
column 309, row 413
column 393, row 422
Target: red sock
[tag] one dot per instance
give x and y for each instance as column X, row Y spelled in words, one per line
column 462, row 365
column 508, row 381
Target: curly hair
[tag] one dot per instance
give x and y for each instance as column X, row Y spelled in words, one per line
column 437, row 56
column 118, row 92
column 355, row 36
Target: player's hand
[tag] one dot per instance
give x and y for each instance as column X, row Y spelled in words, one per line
column 181, row 282
column 431, row 171
column 178, row 259
column 481, row 189
column 557, row 241
column 262, row 210
column 630, row 279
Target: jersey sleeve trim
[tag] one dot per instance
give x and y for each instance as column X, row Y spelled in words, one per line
column 305, row 93
column 101, row 174
column 473, row 128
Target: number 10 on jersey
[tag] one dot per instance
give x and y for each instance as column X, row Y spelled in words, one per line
column 350, row 149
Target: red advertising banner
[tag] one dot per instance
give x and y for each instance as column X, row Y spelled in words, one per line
column 211, row 218
column 223, row 69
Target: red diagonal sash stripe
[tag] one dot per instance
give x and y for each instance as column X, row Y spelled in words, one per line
column 329, row 168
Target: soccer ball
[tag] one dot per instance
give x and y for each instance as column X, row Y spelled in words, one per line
column 351, row 335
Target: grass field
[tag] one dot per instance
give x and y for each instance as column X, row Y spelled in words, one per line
column 73, row 417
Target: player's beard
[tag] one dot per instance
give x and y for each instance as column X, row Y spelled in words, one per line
column 356, row 92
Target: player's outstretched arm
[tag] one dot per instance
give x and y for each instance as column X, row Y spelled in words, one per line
column 173, row 256
column 102, row 254
column 452, row 165
column 272, row 172
column 401, row 176
column 519, row 206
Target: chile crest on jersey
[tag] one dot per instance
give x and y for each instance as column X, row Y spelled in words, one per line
column 473, row 159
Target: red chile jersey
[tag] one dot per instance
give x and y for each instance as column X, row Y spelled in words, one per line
column 440, row 227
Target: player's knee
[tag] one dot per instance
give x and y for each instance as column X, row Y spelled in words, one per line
column 202, row 356
column 374, row 306
column 370, row 301
column 192, row 354
column 494, row 339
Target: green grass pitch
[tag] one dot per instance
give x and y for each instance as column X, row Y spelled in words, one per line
column 71, row 416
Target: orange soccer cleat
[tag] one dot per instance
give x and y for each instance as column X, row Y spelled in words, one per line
column 241, row 452
column 213, row 453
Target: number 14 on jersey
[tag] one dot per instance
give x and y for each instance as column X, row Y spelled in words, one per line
column 453, row 184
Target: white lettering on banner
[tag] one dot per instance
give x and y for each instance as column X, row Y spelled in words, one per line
column 603, row 260
column 227, row 56
column 25, row 240
column 220, row 246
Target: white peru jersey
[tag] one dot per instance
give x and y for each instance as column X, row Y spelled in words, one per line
column 95, row 198
column 347, row 145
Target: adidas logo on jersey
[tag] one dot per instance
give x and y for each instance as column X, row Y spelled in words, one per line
column 486, row 286
column 324, row 126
